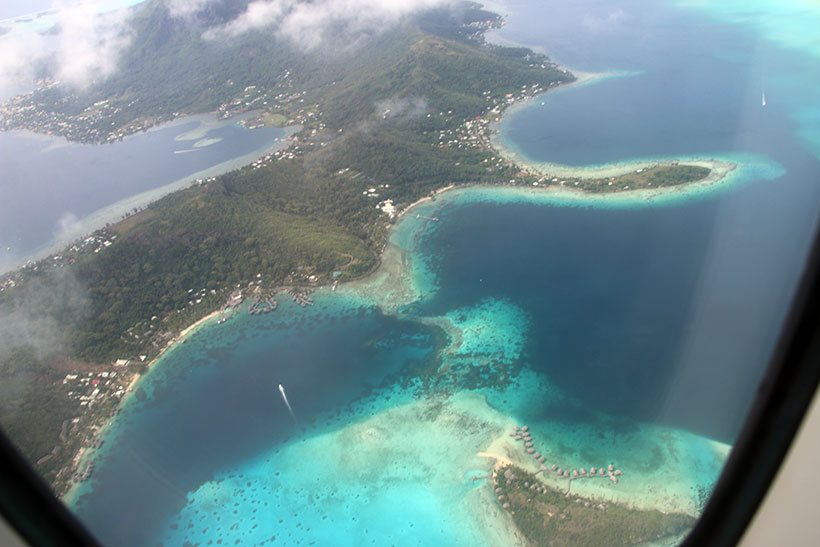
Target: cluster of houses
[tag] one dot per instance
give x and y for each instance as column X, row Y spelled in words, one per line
column 258, row 98
column 523, row 435
column 89, row 388
column 94, row 243
column 94, row 124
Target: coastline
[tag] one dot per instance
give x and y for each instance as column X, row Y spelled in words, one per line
column 719, row 169
column 425, row 199
column 88, row 453
column 664, row 490
column 391, row 277
column 391, row 283
column 114, row 212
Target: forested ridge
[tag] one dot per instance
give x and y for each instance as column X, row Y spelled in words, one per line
column 392, row 118
column 271, row 225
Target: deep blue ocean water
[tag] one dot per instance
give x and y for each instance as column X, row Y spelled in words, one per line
column 711, row 278
column 612, row 324
column 217, row 403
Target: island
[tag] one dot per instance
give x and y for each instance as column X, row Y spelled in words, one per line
column 411, row 114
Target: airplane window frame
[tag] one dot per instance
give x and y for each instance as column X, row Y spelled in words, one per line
column 781, row 401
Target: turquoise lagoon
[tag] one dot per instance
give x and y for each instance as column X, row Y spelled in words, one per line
column 628, row 329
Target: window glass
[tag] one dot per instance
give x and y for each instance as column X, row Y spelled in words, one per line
column 415, row 273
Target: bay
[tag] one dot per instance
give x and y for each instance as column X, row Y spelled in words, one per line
column 54, row 191
column 620, row 329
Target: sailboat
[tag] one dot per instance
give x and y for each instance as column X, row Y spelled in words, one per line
column 763, row 98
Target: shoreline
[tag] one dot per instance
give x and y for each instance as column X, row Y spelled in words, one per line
column 392, row 273
column 114, row 212
column 431, row 197
column 385, row 280
column 719, row 169
column 87, row 454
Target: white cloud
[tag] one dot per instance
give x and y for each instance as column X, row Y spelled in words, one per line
column 86, row 47
column 596, row 22
column 185, row 8
column 90, row 43
column 404, row 108
column 309, row 24
column 91, row 40
column 18, row 55
column 66, row 227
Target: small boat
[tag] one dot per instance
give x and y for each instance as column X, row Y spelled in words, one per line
column 763, row 98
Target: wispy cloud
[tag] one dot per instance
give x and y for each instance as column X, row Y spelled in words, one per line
column 90, row 43
column 309, row 24
column 29, row 325
column 598, row 22
column 185, row 8
column 85, row 46
column 401, row 108
column 18, row 58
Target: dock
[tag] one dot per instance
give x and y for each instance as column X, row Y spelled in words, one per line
column 301, row 296
column 523, row 435
column 262, row 305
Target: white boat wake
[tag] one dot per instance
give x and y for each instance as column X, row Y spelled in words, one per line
column 287, row 404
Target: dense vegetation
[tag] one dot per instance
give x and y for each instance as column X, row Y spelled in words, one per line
column 652, row 177
column 277, row 224
column 372, row 119
column 28, row 390
column 548, row 517
column 345, row 81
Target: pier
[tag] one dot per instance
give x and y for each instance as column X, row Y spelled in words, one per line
column 523, row 435
column 233, row 302
column 301, row 296
column 262, row 305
